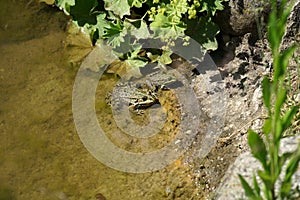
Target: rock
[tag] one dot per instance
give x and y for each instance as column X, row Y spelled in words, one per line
column 293, row 24
column 246, row 165
column 239, row 16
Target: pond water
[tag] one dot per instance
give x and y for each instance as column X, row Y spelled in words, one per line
column 41, row 155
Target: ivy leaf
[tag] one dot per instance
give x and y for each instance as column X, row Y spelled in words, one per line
column 127, row 68
column 160, row 20
column 177, row 8
column 165, row 58
column 136, row 3
column 119, row 68
column 78, row 43
column 118, row 7
column 163, row 27
column 136, row 63
column 82, row 12
column 112, row 29
column 142, row 31
column 203, row 30
column 115, row 33
column 116, row 40
column 211, row 6
column 65, row 5
column 131, row 66
column 137, row 28
column 169, row 16
column 101, row 24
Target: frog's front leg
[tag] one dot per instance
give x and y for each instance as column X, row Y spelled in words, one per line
column 133, row 108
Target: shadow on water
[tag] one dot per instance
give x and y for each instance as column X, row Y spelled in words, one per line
column 41, row 155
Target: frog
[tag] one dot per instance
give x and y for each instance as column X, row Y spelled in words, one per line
column 140, row 94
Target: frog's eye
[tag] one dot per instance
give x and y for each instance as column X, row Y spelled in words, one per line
column 145, row 98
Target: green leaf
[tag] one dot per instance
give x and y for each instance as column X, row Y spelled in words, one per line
column 116, row 40
column 113, row 29
column 137, row 28
column 288, row 117
column 65, row 5
column 136, row 63
column 165, row 58
column 274, row 40
column 266, row 90
column 266, row 178
column 282, row 159
column 126, row 69
column 82, row 12
column 211, row 6
column 249, row 192
column 164, row 28
column 256, row 186
column 283, row 61
column 258, row 147
column 284, row 13
column 136, row 3
column 177, row 8
column 160, row 21
column 276, row 29
column 267, row 126
column 118, row 7
column 290, row 170
column 280, row 99
column 142, row 32
column 287, row 11
column 278, row 131
column 114, row 33
column 102, row 25
column 203, row 30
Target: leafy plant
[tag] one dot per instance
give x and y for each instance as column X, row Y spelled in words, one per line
column 166, row 19
column 274, row 97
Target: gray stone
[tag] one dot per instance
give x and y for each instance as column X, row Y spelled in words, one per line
column 246, row 165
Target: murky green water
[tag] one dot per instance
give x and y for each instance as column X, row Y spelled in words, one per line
column 41, row 155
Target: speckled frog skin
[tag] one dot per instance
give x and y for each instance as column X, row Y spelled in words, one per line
column 141, row 93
